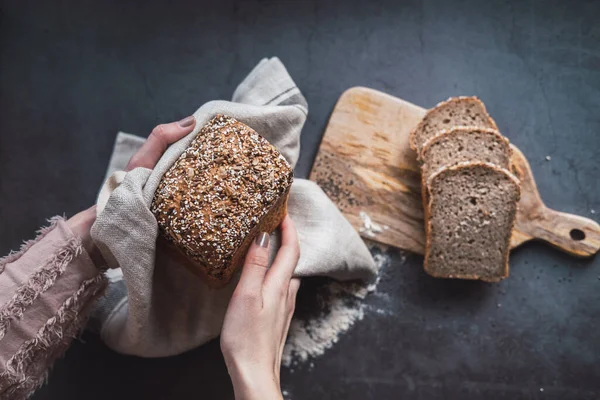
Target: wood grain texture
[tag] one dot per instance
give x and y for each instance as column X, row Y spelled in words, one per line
column 365, row 164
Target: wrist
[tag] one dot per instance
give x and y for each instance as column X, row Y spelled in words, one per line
column 80, row 225
column 254, row 383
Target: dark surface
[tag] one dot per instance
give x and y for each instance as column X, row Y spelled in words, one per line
column 72, row 75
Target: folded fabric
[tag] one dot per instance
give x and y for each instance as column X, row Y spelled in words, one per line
column 156, row 307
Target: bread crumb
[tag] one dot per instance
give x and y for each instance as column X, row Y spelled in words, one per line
column 541, row 389
column 499, row 305
column 593, row 211
column 370, row 228
column 548, row 158
column 383, row 312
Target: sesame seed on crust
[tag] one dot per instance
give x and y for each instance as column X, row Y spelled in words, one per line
column 218, row 190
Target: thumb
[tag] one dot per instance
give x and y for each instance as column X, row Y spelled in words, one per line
column 161, row 137
column 256, row 265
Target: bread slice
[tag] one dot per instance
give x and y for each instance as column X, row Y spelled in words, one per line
column 461, row 144
column 472, row 213
column 229, row 185
column 456, row 111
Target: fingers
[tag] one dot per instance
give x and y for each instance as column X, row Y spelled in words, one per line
column 158, row 141
column 255, row 266
column 290, row 307
column 291, row 298
column 293, row 290
column 280, row 273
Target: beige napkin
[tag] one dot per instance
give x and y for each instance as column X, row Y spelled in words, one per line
column 154, row 306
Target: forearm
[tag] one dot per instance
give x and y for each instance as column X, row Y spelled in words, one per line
column 45, row 291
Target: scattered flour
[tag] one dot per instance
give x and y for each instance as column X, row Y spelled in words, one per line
column 383, row 312
column 342, row 305
column 311, row 338
column 370, row 228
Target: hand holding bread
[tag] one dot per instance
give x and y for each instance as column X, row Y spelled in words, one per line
column 215, row 208
column 146, row 157
column 259, row 315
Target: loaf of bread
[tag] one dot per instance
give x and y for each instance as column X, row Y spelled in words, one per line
column 229, row 185
column 456, row 111
column 472, row 209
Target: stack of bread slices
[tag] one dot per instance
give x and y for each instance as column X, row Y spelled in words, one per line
column 469, row 196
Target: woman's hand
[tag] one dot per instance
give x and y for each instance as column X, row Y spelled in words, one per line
column 147, row 156
column 258, row 317
column 161, row 137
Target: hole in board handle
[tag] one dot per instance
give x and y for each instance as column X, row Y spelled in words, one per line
column 577, row 234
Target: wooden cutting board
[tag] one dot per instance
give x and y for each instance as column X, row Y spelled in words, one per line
column 365, row 164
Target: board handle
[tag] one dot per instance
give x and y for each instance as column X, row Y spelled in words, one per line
column 576, row 235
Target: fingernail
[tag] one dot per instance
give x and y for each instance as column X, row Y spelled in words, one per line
column 187, row 121
column 262, row 240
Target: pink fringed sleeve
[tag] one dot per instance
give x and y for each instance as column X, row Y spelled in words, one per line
column 46, row 289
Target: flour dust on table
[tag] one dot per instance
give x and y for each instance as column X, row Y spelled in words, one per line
column 327, row 309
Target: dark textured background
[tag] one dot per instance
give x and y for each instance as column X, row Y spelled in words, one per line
column 73, row 73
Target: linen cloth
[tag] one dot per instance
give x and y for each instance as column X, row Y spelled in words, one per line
column 156, row 307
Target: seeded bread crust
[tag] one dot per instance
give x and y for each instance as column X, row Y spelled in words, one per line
column 500, row 155
column 269, row 223
column 415, row 141
column 225, row 188
column 507, row 235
